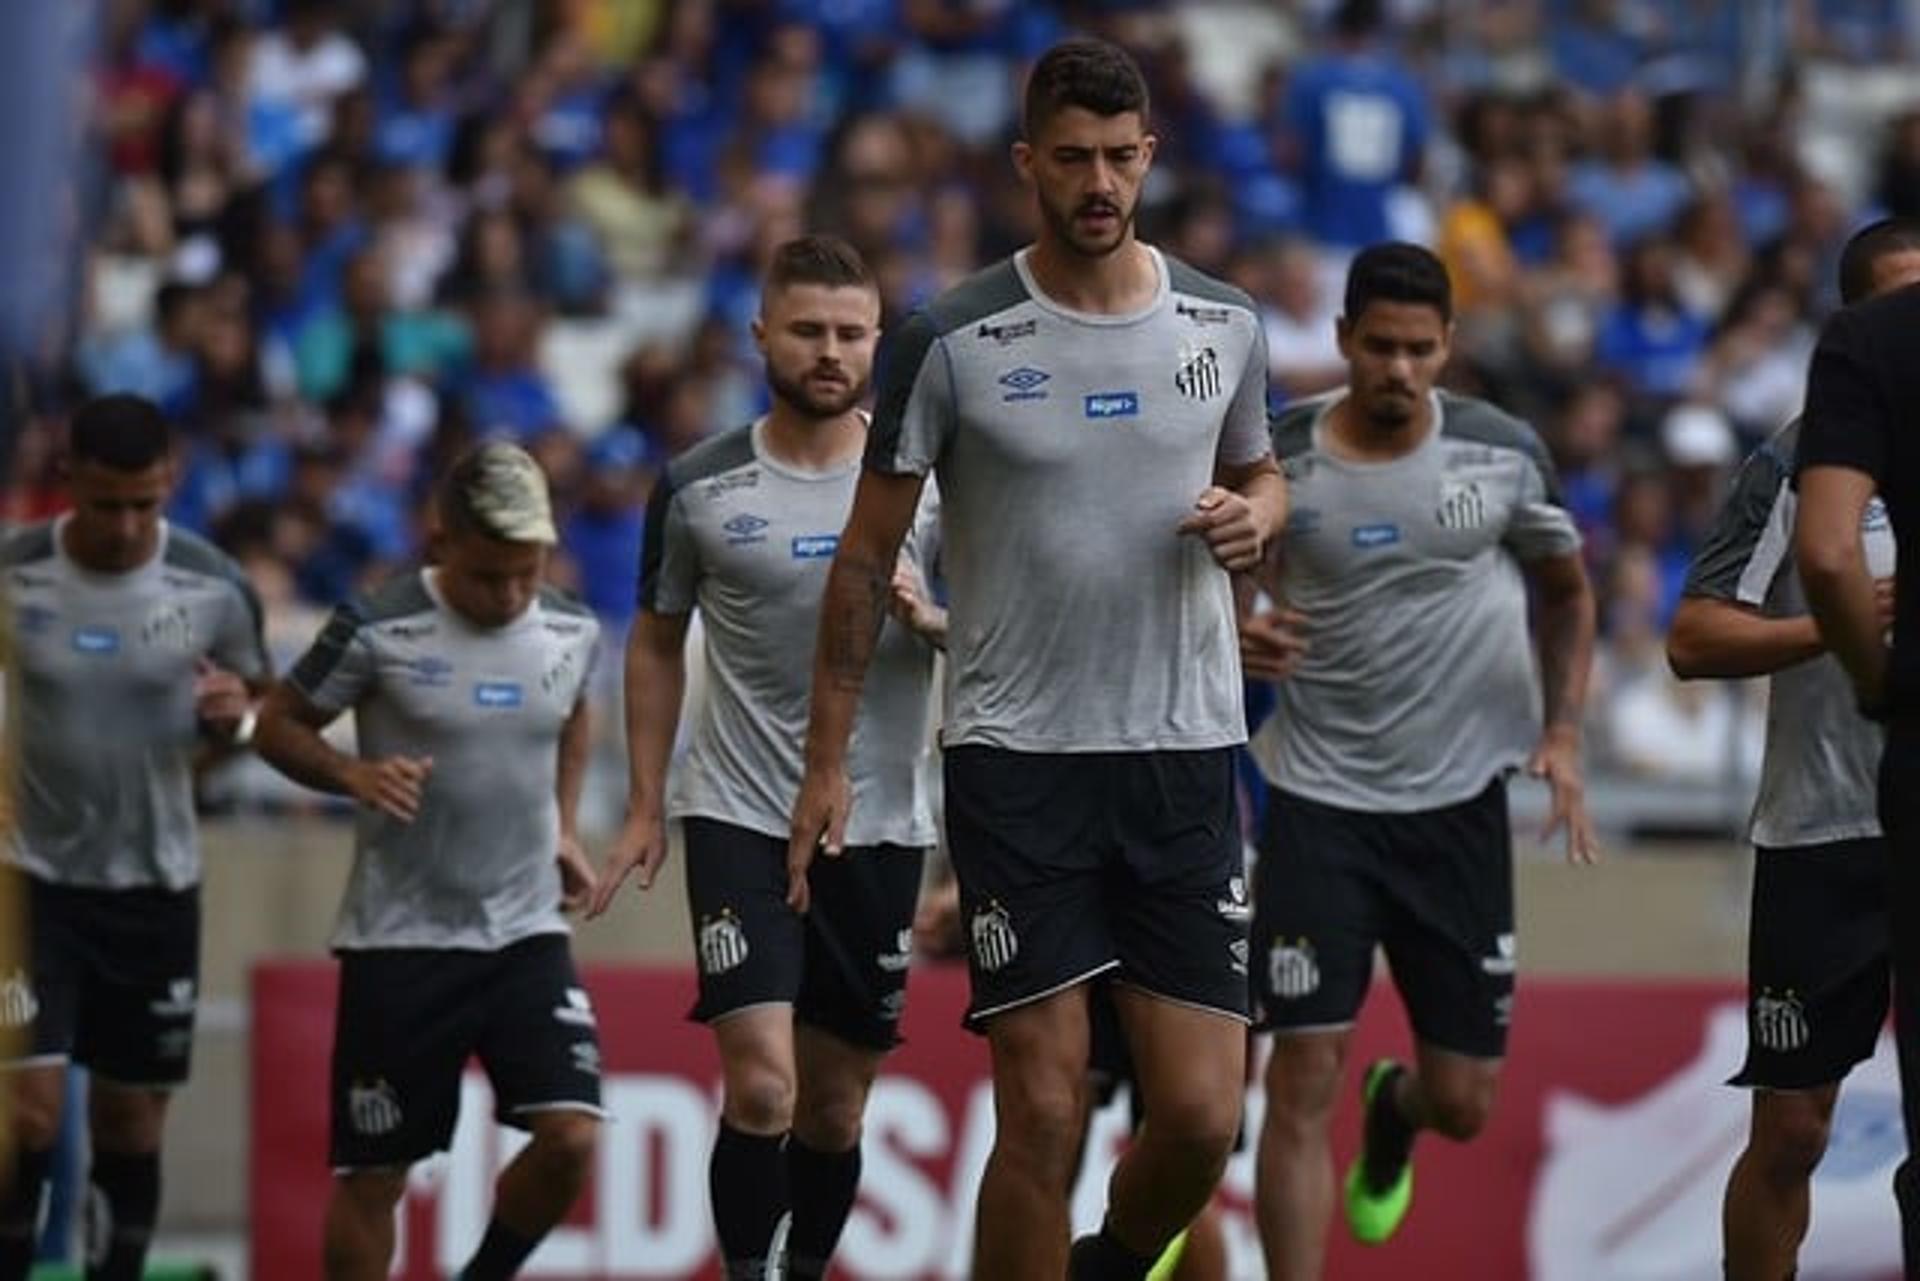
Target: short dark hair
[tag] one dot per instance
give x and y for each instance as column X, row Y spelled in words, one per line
column 126, row 433
column 1092, row 74
column 818, row 260
column 1867, row 247
column 1396, row 271
column 1358, row 18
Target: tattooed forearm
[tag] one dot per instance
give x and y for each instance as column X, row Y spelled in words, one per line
column 856, row 606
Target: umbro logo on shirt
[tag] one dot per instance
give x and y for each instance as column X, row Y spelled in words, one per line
column 744, row 529
column 1024, row 383
column 1199, row 375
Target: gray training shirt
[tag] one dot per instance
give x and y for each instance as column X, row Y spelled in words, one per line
column 476, row 868
column 1069, row 447
column 749, row 539
column 103, row 711
column 1419, row 685
column 1817, row 783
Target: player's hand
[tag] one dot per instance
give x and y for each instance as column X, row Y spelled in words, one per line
column 220, row 698
column 907, row 600
column 1883, row 601
column 1557, row 761
column 393, row 785
column 1230, row 526
column 819, row 825
column 1272, row 644
column 641, row 847
column 577, row 879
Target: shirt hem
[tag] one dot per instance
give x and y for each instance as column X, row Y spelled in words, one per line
column 912, row 838
column 423, row 944
column 1023, row 743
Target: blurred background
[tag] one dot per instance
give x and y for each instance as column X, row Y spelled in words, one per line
column 340, row 240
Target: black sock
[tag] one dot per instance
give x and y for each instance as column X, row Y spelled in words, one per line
column 1101, row 1257
column 20, row 1211
column 823, row 1186
column 1388, row 1134
column 123, row 1200
column 501, row 1252
column 747, row 1182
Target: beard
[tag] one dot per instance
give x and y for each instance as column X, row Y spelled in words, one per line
column 1391, row 413
column 1064, row 224
column 812, row 400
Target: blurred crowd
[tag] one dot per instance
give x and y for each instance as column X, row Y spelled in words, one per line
column 340, row 239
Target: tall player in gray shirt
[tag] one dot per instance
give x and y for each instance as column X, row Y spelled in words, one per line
column 1095, row 413
column 134, row 645
column 1420, row 521
column 803, row 1010
column 1817, row 952
column 465, row 679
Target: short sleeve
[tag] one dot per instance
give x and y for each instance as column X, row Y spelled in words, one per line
column 1539, row 525
column 669, row 560
column 922, row 547
column 1846, row 421
column 1244, row 437
column 240, row 644
column 339, row 669
column 1750, row 538
column 915, row 408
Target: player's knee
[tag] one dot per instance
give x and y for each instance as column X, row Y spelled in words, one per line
column 128, row 1120
column 1202, row 1127
column 568, row 1140
column 1790, row 1144
column 829, row 1121
column 1461, row 1114
column 36, row 1122
column 369, row 1195
column 759, row 1099
column 1303, row 1080
column 1042, row 1116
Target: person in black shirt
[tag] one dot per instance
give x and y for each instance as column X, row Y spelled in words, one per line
column 1857, row 441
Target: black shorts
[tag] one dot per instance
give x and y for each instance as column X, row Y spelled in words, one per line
column 112, row 981
column 410, row 1018
column 1817, row 963
column 1075, row 864
column 842, row 966
column 1434, row 888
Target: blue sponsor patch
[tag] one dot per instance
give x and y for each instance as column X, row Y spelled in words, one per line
column 96, row 640
column 1113, row 404
column 497, row 694
column 430, row 671
column 1024, row 383
column 1375, row 535
column 815, row 546
column 745, row 528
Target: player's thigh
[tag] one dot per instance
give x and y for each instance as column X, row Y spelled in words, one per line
column 1027, row 836
column 1818, row 981
column 406, row 1022
column 749, row 946
column 859, row 943
column 1317, row 915
column 142, row 989
column 540, row 1043
column 1448, row 933
column 40, row 1001
column 1177, row 891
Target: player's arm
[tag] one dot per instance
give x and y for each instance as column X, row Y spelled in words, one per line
column 1729, row 641
column 1833, row 569
column 577, row 879
column 1563, row 641
column 289, row 739
column 858, row 594
column 656, row 684
column 1245, row 508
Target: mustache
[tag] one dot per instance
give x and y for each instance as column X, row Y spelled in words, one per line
column 1098, row 206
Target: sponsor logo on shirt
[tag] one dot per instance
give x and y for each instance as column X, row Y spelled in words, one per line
column 373, row 1107
column 1779, row 1022
column 564, row 626
column 96, row 640
column 498, row 694
column 178, row 1003
column 1203, row 315
column 411, row 631
column 744, row 529
column 815, row 546
column 1113, row 404
column 1293, row 971
column 1024, row 383
column 722, row 944
column 1302, row 521
column 18, row 1005
column 1385, row 535
column 1198, row 377
column 1462, row 506
column 429, row 671
column 1010, row 333
column 34, row 620
column 994, row 942
column 747, row 479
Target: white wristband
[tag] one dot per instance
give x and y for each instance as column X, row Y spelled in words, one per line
column 243, row 732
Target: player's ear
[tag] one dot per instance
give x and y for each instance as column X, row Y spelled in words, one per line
column 1149, row 143
column 1023, row 159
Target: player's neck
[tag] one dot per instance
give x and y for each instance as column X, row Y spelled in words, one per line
column 812, row 444
column 1115, row 284
column 1358, row 439
column 76, row 550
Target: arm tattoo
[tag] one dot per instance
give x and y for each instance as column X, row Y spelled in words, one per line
column 856, row 608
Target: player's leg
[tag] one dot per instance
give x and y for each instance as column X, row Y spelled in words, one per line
column 541, row 1050
column 1027, row 833
column 750, row 950
column 1314, row 929
column 1817, row 1000
column 1900, row 817
column 859, row 941
column 42, row 1002
column 136, row 1034
column 359, row 1223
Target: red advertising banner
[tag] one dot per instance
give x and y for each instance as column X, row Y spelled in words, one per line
column 1605, row 1160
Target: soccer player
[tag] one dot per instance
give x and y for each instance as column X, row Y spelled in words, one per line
column 1817, row 973
column 134, row 646
column 1095, row 413
column 1855, row 443
column 465, row 681
column 803, row 1009
column 1420, row 522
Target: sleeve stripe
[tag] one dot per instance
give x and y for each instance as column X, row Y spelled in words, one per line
column 653, row 540
column 901, row 372
column 1769, row 553
column 320, row 662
